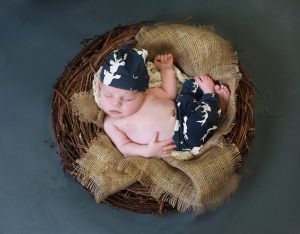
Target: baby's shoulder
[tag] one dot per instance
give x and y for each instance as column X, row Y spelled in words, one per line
column 109, row 122
column 111, row 125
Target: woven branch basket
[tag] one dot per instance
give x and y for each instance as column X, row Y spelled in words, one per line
column 78, row 76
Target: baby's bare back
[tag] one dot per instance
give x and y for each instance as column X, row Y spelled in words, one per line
column 155, row 115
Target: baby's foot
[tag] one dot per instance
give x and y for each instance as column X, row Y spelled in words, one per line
column 224, row 94
column 206, row 84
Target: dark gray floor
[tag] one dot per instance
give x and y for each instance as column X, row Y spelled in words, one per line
column 37, row 38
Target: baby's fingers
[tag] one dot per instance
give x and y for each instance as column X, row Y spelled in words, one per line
column 166, row 58
column 167, row 150
column 167, row 142
column 169, row 57
column 169, row 147
column 158, row 58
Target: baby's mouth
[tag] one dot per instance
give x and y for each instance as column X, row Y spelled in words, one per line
column 114, row 112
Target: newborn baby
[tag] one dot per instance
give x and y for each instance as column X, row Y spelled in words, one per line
column 152, row 122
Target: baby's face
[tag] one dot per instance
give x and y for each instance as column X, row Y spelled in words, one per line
column 119, row 103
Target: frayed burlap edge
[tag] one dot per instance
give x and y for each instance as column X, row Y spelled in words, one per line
column 84, row 107
column 95, row 170
column 184, row 189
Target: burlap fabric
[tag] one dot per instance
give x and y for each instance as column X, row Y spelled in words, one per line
column 201, row 184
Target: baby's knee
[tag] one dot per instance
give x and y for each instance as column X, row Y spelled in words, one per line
column 189, row 86
column 184, row 99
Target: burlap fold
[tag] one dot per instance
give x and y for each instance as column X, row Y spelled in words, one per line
column 201, row 184
column 95, row 170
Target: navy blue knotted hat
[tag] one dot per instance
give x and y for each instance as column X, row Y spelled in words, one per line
column 125, row 69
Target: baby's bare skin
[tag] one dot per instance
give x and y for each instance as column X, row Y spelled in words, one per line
column 146, row 132
column 145, row 125
column 156, row 115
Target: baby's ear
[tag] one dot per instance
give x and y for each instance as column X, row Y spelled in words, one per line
column 99, row 84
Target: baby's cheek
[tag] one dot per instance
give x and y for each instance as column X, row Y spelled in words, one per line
column 103, row 104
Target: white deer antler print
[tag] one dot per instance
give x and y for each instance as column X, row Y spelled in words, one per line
column 207, row 132
column 195, row 87
column 143, row 53
column 108, row 77
column 206, row 109
column 185, row 128
column 115, row 64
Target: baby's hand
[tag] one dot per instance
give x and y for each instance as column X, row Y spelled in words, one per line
column 164, row 62
column 159, row 148
column 206, row 83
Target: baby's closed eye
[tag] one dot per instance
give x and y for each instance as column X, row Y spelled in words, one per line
column 107, row 95
column 128, row 99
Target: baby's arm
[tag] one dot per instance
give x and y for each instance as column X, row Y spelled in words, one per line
column 129, row 148
column 165, row 64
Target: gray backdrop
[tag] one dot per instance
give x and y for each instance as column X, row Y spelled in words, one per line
column 37, row 39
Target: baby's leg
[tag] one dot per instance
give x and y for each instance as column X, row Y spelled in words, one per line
column 198, row 120
column 224, row 94
column 190, row 87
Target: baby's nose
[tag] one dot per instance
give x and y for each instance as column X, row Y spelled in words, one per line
column 117, row 102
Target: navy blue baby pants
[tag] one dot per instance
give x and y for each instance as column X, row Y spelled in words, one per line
column 197, row 116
